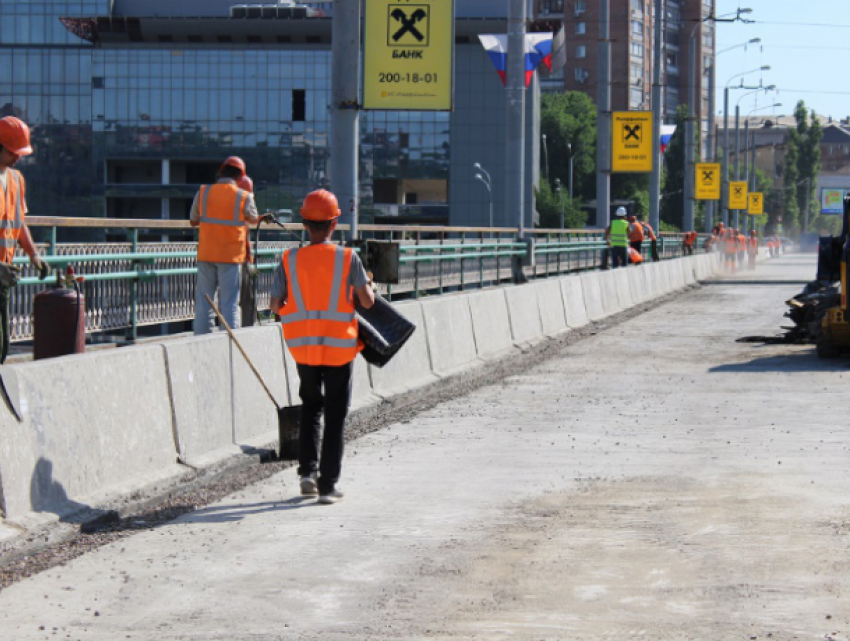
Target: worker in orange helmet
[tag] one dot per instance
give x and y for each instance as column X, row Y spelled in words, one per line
column 742, row 247
column 636, row 235
column 730, row 250
column 313, row 292
column 752, row 248
column 14, row 143
column 221, row 212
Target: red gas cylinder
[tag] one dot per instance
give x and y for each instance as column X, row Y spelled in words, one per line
column 60, row 320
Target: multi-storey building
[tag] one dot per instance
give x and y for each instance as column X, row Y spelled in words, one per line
column 633, row 37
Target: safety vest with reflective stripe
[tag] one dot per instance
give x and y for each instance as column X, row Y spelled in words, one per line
column 11, row 214
column 318, row 318
column 636, row 233
column 753, row 244
column 223, row 230
column 619, row 233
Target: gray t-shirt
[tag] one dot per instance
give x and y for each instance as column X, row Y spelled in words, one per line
column 357, row 277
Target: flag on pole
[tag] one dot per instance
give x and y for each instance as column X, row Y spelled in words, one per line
column 667, row 132
column 559, row 51
column 538, row 48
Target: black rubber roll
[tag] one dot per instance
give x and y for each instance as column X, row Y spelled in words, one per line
column 383, row 331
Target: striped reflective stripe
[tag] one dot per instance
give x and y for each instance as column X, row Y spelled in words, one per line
column 8, row 243
column 330, row 313
column 17, row 222
column 323, row 341
column 236, row 221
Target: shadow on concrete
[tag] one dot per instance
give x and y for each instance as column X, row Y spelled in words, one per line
column 231, row 513
column 807, row 361
column 48, row 495
column 756, row 283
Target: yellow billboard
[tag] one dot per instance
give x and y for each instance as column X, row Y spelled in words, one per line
column 738, row 194
column 632, row 141
column 756, row 203
column 708, row 181
column 407, row 55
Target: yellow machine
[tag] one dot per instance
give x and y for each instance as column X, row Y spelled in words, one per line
column 834, row 337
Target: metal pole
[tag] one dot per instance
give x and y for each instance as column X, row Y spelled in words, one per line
column 746, row 166
column 570, row 152
column 753, row 176
column 688, row 215
column 515, row 165
column 345, row 110
column 711, row 209
column 657, row 118
column 603, row 118
column 546, row 155
column 737, row 157
column 725, row 160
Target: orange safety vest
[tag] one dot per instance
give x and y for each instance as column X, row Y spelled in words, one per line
column 637, row 234
column 731, row 244
column 223, row 231
column 318, row 318
column 742, row 243
column 12, row 214
column 754, row 244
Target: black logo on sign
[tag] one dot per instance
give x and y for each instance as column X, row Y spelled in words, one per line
column 632, row 133
column 739, row 191
column 708, row 176
column 408, row 27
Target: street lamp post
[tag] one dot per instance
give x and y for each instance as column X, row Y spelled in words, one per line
column 750, row 174
column 738, row 138
column 560, row 193
column 725, row 158
column 570, row 154
column 484, row 177
column 545, row 155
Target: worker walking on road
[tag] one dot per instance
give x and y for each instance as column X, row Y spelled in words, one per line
column 313, row 292
column 753, row 248
column 221, row 212
column 730, row 250
column 617, row 237
column 14, row 143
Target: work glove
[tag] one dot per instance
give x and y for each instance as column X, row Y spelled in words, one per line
column 42, row 267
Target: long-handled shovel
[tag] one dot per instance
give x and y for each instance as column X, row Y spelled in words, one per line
column 287, row 417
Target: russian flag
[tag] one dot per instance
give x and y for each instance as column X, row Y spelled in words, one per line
column 667, row 132
column 538, row 48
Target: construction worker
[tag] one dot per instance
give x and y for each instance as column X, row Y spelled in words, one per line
column 688, row 241
column 313, row 292
column 742, row 247
column 730, row 250
column 752, row 248
column 649, row 232
column 636, row 235
column 247, row 297
column 221, row 212
column 617, row 237
column 14, row 143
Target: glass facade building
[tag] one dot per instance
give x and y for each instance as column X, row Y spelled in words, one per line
column 132, row 130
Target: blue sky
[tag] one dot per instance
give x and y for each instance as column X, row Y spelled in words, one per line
column 805, row 42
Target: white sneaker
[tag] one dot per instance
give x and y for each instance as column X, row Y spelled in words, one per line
column 309, row 486
column 334, row 496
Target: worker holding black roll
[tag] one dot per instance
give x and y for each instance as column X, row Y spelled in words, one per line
column 14, row 143
column 313, row 292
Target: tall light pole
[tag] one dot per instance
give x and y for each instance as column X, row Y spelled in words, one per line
column 559, row 192
column 738, row 137
column 603, row 117
column 484, row 177
column 725, row 159
column 545, row 155
column 570, row 154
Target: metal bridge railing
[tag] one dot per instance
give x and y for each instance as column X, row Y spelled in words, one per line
column 132, row 284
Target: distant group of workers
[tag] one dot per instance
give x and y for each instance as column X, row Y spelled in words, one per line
column 738, row 248
column 625, row 237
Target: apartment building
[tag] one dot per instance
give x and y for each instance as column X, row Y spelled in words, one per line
column 633, row 35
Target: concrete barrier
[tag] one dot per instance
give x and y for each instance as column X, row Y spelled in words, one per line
column 639, row 284
column 95, row 427
column 524, row 312
column 592, row 291
column 552, row 316
column 573, row 295
column 411, row 368
column 491, row 323
column 623, row 283
column 608, row 285
column 688, row 270
column 677, row 275
column 665, row 284
column 451, row 342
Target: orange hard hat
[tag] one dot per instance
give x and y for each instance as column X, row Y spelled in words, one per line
column 246, row 183
column 752, row 232
column 15, row 136
column 320, row 206
column 234, row 161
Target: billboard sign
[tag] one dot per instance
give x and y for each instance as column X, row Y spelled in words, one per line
column 407, row 55
column 632, row 141
column 756, row 203
column 832, row 201
column 738, row 194
column 708, row 181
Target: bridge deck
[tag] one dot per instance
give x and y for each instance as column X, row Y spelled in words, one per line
column 657, row 479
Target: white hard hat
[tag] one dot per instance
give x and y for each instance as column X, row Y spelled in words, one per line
column 621, row 211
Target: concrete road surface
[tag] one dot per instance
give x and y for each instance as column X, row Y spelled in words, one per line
column 655, row 481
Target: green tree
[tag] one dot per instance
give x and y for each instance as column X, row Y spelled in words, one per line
column 568, row 120
column 673, row 188
column 808, row 160
column 549, row 204
column 790, row 212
